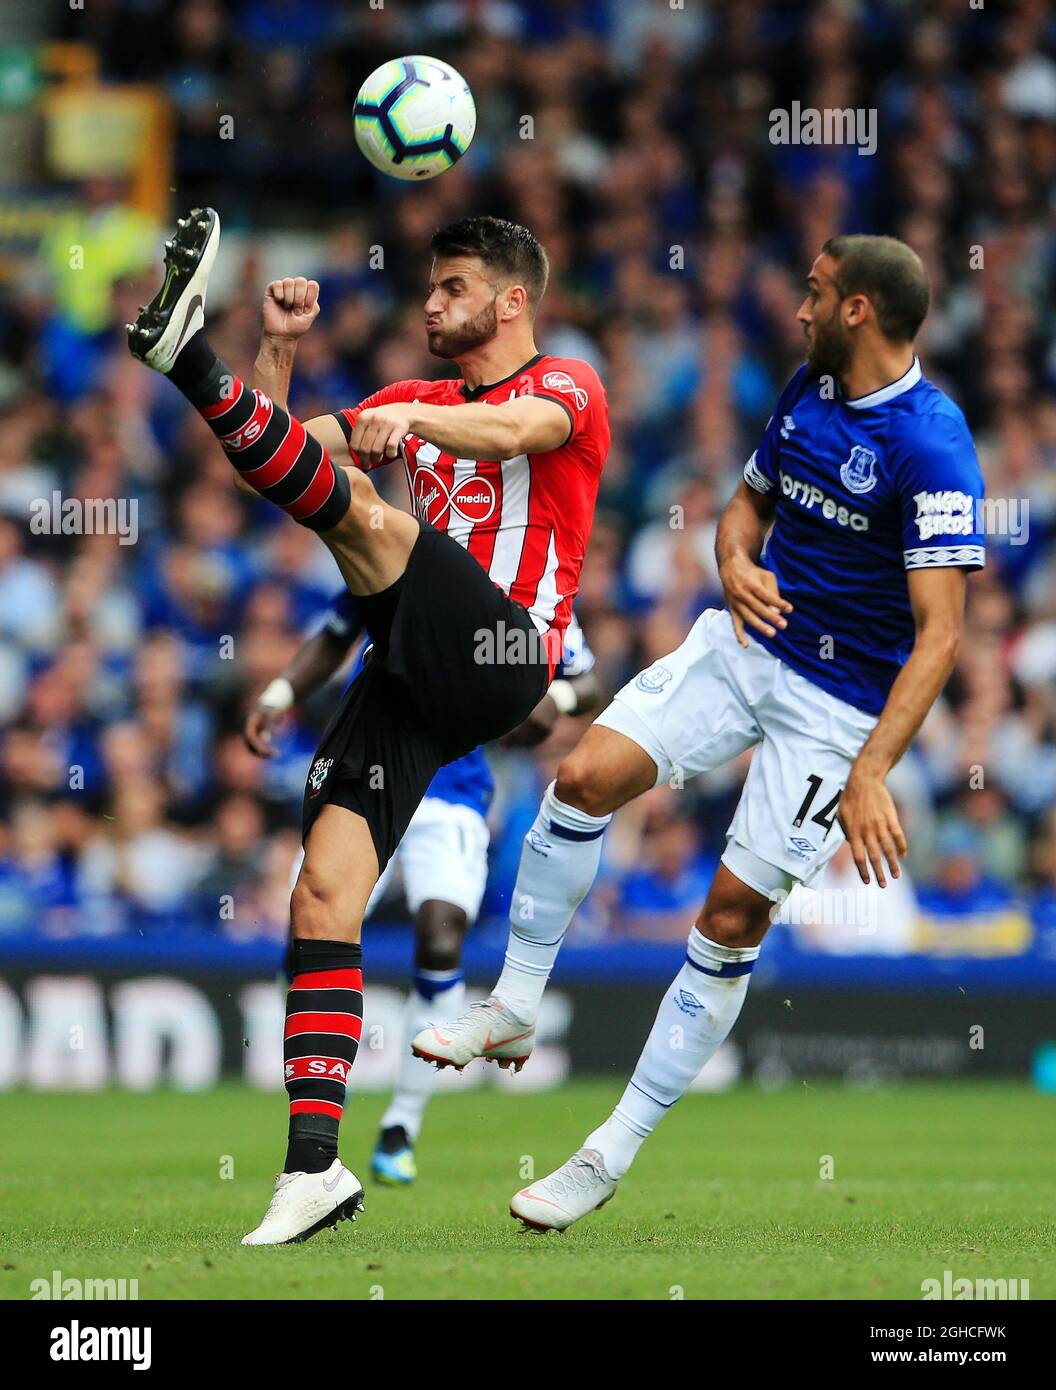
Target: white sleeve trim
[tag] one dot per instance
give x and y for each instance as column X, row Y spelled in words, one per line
column 944, row 556
column 755, row 477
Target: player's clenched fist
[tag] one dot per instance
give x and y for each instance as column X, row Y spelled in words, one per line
column 752, row 597
column 378, row 432
column 291, row 306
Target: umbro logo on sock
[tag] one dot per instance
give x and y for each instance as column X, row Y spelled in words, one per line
column 689, row 1003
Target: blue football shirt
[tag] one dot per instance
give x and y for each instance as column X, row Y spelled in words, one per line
column 865, row 490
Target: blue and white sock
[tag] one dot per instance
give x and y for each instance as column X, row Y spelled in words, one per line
column 694, row 1018
column 435, row 995
column 559, row 862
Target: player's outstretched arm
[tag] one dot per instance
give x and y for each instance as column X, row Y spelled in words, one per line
column 867, row 812
column 751, row 592
column 291, row 306
column 527, row 425
column 312, row 665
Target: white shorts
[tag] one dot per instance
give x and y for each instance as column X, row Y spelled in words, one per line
column 443, row 855
column 709, row 701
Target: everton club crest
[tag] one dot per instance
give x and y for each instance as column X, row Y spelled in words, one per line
column 858, row 474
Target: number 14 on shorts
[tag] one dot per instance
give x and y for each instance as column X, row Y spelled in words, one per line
column 827, row 815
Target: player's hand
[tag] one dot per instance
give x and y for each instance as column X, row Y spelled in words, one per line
column 291, row 306
column 531, row 731
column 870, row 822
column 378, row 432
column 258, row 730
column 752, row 597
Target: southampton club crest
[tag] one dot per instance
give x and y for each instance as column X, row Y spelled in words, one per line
column 318, row 775
column 858, row 474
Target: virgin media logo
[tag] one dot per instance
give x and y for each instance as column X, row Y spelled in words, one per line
column 472, row 500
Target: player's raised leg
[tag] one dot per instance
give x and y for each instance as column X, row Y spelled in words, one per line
column 324, row 1019
column 559, row 862
column 695, row 1017
column 271, row 451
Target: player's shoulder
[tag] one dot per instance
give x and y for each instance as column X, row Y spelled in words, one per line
column 930, row 401
column 931, row 439
column 567, row 376
column 926, row 419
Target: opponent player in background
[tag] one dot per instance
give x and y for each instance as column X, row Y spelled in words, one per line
column 443, row 856
column 838, row 636
column 465, row 600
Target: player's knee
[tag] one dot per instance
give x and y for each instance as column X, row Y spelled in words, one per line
column 733, row 924
column 581, row 783
column 439, row 929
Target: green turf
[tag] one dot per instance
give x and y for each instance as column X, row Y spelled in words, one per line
column 725, row 1201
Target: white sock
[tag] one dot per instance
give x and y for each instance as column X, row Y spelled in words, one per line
column 435, row 995
column 694, row 1018
column 559, row 862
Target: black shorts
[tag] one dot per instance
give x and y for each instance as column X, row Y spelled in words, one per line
column 455, row 664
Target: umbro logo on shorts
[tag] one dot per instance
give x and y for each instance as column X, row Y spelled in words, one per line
column 802, row 849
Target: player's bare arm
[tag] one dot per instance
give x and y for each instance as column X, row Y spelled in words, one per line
column 527, row 425
column 311, row 667
column 867, row 811
column 291, row 306
column 751, row 592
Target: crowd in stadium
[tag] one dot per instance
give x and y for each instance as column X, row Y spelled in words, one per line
column 635, row 141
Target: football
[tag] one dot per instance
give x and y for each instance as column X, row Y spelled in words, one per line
column 414, row 117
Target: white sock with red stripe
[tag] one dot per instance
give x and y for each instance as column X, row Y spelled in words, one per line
column 270, row 449
column 324, row 1020
column 694, row 1018
column 435, row 996
column 559, row 862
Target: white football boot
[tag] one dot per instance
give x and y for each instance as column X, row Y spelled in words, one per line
column 306, row 1202
column 576, row 1188
column 487, row 1030
column 177, row 311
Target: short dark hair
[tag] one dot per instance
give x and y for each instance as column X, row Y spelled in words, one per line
column 503, row 246
column 890, row 274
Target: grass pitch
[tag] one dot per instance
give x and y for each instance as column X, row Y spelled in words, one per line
column 726, row 1200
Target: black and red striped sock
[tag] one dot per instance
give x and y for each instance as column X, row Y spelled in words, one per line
column 272, row 451
column 324, row 1019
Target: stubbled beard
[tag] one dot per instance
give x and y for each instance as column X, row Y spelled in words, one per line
column 829, row 353
column 456, row 341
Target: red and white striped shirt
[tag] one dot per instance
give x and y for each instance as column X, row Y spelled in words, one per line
column 526, row 519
